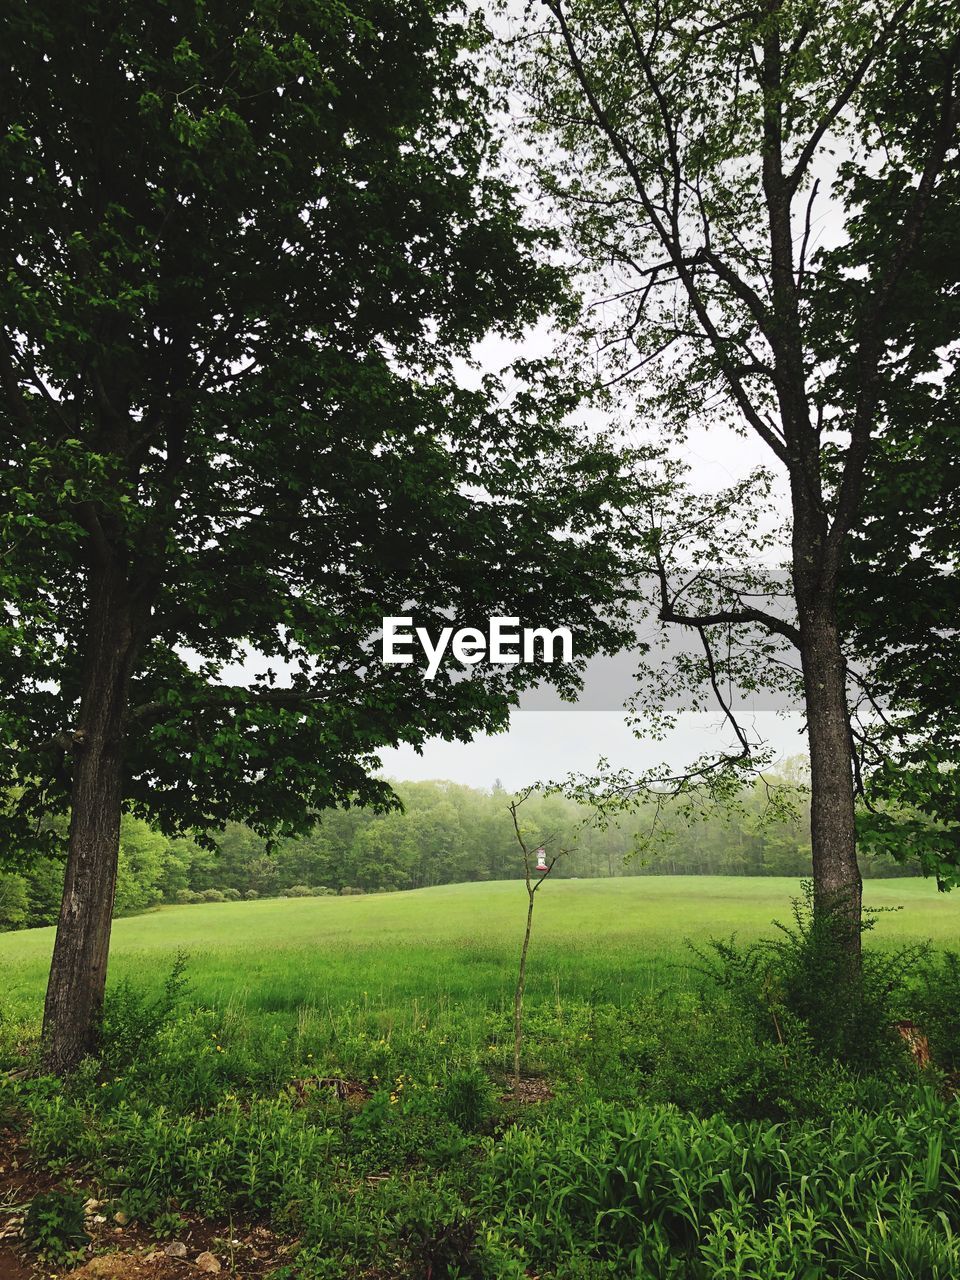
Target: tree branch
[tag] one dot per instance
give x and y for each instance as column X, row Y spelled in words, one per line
column 669, row 241
column 795, row 177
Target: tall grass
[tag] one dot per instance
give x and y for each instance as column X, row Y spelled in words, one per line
column 607, row 940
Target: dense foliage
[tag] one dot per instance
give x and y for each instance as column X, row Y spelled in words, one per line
column 252, row 246
column 901, row 596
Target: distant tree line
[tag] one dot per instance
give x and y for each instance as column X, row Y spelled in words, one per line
column 446, row 833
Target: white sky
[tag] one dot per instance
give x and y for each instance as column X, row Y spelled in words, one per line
column 543, row 746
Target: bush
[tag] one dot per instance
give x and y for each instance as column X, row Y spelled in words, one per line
column 298, row 891
column 212, row 895
column 467, row 1098
column 250, row 894
column 186, row 895
column 231, row 895
column 54, row 1226
column 346, row 891
column 798, row 988
column 935, row 1005
column 132, row 1021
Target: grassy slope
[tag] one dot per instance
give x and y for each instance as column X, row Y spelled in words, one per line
column 458, row 943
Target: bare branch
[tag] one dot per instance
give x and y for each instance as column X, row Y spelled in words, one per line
column 715, row 685
column 669, row 238
column 668, row 613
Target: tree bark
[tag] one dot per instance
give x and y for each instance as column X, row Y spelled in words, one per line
column 78, row 972
column 521, row 986
column 837, row 884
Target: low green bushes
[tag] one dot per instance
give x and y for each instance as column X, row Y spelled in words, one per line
column 426, row 1178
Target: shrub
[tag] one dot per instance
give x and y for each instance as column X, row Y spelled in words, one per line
column 132, row 1021
column 250, row 894
column 186, row 895
column 467, row 1098
column 712, row 1061
column 212, row 895
column 231, row 895
column 935, row 1005
column 54, row 1226
column 798, row 987
column 298, row 891
column 347, row 890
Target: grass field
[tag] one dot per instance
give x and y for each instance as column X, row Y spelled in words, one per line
column 340, row 1070
column 456, row 945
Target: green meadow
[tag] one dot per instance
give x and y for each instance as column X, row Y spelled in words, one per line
column 339, row 1069
column 608, row 940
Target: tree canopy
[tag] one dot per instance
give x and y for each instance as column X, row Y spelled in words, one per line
column 246, row 247
column 900, row 598
column 249, row 253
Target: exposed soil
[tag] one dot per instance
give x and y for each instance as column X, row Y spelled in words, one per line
column 531, row 1089
column 128, row 1251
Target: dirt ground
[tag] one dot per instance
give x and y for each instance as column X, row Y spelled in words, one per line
column 123, row 1251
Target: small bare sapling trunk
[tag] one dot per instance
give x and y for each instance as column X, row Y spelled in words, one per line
column 533, row 883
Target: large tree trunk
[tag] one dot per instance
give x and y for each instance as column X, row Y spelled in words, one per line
column 78, row 972
column 836, row 876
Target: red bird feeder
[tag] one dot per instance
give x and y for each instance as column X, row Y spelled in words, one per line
column 542, row 859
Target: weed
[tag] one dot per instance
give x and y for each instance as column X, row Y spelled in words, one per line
column 168, row 1225
column 54, row 1227
column 132, row 1020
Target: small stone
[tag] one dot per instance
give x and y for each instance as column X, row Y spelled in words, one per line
column 207, row 1262
column 104, row 1265
column 176, row 1249
column 99, row 1217
column 91, row 1206
column 121, row 1218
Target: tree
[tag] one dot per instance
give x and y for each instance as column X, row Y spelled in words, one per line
column 694, row 152
column 14, row 902
column 141, row 863
column 900, row 600
column 533, row 878
column 245, row 247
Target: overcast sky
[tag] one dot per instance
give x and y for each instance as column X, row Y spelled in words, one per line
column 546, row 745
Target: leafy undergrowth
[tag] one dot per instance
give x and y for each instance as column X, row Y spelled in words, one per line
column 701, row 1137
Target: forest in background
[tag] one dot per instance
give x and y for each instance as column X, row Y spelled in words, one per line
column 446, row 833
